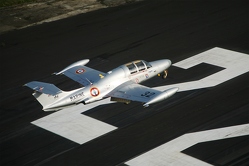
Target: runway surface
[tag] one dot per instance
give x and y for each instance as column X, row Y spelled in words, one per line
column 148, row 30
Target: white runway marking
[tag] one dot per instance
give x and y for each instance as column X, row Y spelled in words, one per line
column 170, row 153
column 235, row 64
column 71, row 124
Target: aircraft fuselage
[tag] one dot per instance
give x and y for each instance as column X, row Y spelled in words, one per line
column 137, row 72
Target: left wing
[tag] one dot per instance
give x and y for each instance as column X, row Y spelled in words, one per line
column 83, row 75
column 134, row 92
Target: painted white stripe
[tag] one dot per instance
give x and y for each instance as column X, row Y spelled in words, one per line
column 71, row 124
column 170, row 153
column 235, row 64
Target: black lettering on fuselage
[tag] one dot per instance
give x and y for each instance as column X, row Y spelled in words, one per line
column 72, row 98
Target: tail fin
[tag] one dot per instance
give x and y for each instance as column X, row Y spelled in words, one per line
column 45, row 93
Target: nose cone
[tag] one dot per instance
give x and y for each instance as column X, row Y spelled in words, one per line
column 161, row 65
column 166, row 63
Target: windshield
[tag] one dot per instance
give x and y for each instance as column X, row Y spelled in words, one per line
column 147, row 64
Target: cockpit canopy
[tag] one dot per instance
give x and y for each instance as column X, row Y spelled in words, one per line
column 137, row 66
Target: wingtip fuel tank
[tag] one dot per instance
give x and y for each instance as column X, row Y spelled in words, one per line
column 78, row 63
column 164, row 95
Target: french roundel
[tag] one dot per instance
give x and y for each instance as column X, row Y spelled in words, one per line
column 94, row 92
column 80, row 71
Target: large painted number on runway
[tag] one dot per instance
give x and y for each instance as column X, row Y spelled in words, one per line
column 235, row 64
column 170, row 153
column 71, row 124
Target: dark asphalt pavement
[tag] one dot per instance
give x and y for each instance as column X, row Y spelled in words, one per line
column 148, row 30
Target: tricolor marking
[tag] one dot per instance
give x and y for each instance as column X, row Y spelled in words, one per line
column 94, row 92
column 80, row 71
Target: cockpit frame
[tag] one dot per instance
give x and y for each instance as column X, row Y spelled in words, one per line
column 138, row 66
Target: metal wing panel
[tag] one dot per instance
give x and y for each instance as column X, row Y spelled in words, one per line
column 84, row 75
column 134, row 92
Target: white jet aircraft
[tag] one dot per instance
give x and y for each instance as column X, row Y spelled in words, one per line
column 121, row 85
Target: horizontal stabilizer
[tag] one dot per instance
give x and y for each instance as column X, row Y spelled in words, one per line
column 45, row 88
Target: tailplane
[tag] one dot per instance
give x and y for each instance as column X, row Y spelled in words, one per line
column 45, row 93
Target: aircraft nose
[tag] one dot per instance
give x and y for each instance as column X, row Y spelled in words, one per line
column 161, row 65
column 166, row 63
